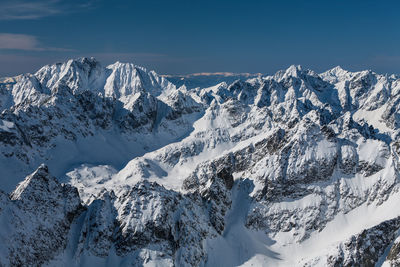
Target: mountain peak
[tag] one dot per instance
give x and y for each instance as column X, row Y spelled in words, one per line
column 294, row 68
column 291, row 71
column 84, row 60
column 338, row 70
column 81, row 63
column 336, row 74
column 126, row 65
column 35, row 184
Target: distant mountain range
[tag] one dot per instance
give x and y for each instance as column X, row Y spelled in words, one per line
column 204, row 79
column 119, row 166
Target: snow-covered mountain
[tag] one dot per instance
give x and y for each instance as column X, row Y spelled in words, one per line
column 206, row 79
column 125, row 168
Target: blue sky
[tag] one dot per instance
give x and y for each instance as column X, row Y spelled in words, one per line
column 178, row 37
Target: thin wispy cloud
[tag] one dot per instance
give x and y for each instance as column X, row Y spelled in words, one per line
column 27, row 10
column 10, row 41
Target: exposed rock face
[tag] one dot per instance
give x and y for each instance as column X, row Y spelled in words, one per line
column 394, row 255
column 37, row 218
column 364, row 249
column 146, row 217
column 293, row 169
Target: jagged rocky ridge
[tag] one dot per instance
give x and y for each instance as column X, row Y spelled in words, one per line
column 297, row 168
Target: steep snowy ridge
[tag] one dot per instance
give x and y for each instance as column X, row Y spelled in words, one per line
column 293, row 169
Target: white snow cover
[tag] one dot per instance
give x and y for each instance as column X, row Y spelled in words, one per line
column 280, row 170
